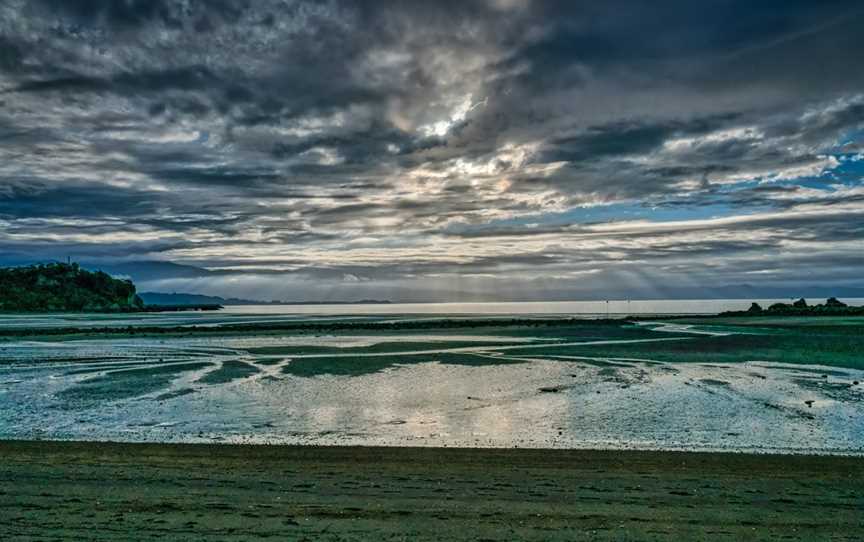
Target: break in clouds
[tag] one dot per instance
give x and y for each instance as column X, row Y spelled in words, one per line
column 498, row 149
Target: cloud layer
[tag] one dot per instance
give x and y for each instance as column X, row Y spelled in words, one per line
column 422, row 151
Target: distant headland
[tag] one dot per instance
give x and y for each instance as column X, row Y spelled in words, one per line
column 68, row 287
column 831, row 307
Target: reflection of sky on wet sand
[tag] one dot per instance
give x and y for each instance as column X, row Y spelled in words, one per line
column 536, row 403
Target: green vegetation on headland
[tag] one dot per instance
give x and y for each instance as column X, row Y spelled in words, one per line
column 67, row 287
column 831, row 307
column 60, row 287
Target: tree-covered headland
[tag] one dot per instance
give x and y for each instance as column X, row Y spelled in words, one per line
column 59, row 287
column 831, row 307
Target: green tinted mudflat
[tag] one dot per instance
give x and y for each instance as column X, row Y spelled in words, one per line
column 125, row 383
column 229, row 371
column 840, row 346
column 356, row 366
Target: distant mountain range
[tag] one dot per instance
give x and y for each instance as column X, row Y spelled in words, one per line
column 173, row 299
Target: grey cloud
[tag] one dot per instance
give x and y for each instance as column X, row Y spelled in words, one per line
column 363, row 139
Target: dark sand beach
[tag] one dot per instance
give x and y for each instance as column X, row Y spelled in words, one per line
column 100, row 491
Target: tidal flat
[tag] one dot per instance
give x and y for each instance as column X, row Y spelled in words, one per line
column 737, row 384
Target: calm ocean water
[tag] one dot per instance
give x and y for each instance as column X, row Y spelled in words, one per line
column 250, row 314
column 587, row 308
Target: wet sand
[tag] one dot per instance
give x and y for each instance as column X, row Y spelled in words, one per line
column 100, row 491
column 585, row 385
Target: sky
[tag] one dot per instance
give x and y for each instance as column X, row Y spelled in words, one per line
column 437, row 151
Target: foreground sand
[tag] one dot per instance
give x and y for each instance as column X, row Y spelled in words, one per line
column 93, row 491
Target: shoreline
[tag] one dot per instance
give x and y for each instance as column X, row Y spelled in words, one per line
column 316, row 452
column 26, row 442
column 111, row 491
column 422, row 322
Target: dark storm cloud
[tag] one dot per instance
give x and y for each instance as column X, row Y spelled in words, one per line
column 390, row 141
column 136, row 13
column 618, row 139
column 185, row 78
column 89, row 200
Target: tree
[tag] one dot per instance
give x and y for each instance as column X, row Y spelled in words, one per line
column 754, row 307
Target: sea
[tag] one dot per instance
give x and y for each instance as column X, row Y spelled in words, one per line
column 575, row 308
column 254, row 314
